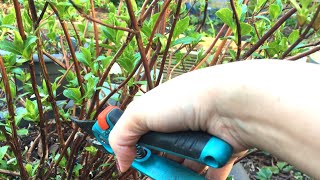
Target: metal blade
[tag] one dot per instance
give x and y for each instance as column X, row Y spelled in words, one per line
column 85, row 125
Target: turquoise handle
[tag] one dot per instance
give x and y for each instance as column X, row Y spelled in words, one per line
column 194, row 145
column 153, row 166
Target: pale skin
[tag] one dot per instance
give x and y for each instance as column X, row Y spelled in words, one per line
column 272, row 105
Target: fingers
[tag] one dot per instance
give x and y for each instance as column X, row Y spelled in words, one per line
column 123, row 139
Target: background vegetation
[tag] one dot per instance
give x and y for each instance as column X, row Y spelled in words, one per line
column 63, row 58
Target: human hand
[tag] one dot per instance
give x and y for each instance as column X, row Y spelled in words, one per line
column 176, row 106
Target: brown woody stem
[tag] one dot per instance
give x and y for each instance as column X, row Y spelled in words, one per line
column 233, row 7
column 164, row 57
column 15, row 145
column 140, row 44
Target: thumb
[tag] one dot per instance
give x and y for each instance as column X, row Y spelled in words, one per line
column 123, row 139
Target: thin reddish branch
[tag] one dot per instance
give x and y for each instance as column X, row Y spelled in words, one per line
column 304, row 54
column 46, row 77
column 105, row 100
column 234, row 9
column 164, row 57
column 269, row 33
column 106, row 73
column 42, row 12
column 220, row 48
column 303, row 35
column 72, row 51
column 15, row 144
column 19, row 19
column 157, row 23
column 140, row 44
column 55, row 60
column 95, row 28
column 148, row 11
column 204, row 16
column 97, row 20
column 208, row 51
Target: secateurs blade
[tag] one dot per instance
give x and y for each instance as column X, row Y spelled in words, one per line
column 197, row 146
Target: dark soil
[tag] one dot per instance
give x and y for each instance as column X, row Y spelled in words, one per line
column 254, row 162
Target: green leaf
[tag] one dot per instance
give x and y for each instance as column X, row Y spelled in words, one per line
column 181, row 26
column 9, row 19
column 10, row 47
column 274, row 169
column 245, row 28
column 32, row 111
column 91, row 149
column 233, row 54
column 29, row 169
column 18, row 42
column 13, row 89
column 76, row 169
column 281, row 165
column 183, row 40
column 264, row 173
column 274, row 11
column 81, row 57
column 305, row 3
column 73, row 94
column 264, row 18
column 23, row 132
column 260, row 3
column 294, row 35
column 3, row 151
column 86, row 57
column 28, row 45
column 226, row 15
column 296, row 5
column 287, row 168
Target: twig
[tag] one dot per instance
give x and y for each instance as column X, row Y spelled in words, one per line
column 303, row 35
column 42, row 12
column 106, row 73
column 76, row 32
column 45, row 74
column 220, row 48
column 147, row 12
column 140, row 43
column 233, row 7
column 97, row 20
column 9, row 173
column 143, row 8
column 54, row 164
column 269, row 33
column 54, row 59
column 304, row 54
column 204, row 17
column 105, row 100
column 15, row 144
column 95, row 27
column 164, row 57
column 165, row 6
column 208, row 51
column 73, row 54
column 17, row 9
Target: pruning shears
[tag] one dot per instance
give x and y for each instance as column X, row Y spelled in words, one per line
column 196, row 146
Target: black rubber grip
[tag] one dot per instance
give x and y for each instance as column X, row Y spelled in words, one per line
column 188, row 143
